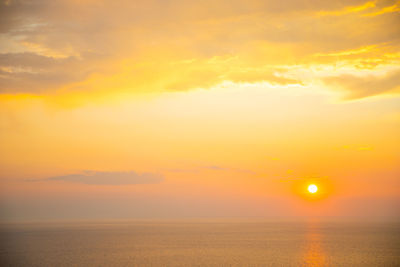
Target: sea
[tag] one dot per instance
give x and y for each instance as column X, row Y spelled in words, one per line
column 219, row 242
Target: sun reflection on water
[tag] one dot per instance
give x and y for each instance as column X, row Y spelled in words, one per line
column 314, row 254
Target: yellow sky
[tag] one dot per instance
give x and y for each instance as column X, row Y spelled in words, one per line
column 125, row 109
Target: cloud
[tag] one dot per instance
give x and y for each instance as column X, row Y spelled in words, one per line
column 219, row 168
column 350, row 9
column 35, row 73
column 155, row 46
column 216, row 168
column 212, row 168
column 359, row 87
column 109, row 178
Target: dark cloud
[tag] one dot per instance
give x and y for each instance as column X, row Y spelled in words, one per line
column 109, row 178
column 30, row 72
column 30, row 60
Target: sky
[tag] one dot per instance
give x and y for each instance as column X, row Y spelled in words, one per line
column 178, row 108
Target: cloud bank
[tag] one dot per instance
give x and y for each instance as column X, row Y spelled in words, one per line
column 155, row 46
column 109, row 178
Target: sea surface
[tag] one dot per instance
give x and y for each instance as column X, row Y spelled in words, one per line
column 201, row 243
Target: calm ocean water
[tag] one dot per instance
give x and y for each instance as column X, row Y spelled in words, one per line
column 211, row 243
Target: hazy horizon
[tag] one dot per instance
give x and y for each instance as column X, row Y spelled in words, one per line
column 249, row 243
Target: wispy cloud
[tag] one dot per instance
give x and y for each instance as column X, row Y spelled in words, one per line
column 109, row 178
column 215, row 167
column 210, row 168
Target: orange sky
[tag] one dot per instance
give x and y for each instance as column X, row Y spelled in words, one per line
column 131, row 109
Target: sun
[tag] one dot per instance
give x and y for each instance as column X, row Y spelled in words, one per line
column 312, row 188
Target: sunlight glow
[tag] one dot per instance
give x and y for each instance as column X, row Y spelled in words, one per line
column 312, row 188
